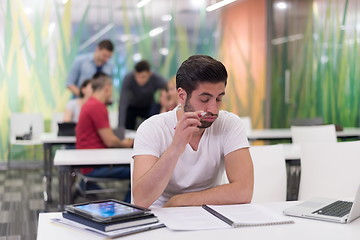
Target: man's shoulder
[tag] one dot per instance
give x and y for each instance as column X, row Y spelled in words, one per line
column 84, row 57
column 226, row 121
column 157, row 77
column 93, row 104
column 158, row 122
column 228, row 116
column 129, row 77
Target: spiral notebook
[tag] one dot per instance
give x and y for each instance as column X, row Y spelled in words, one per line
column 219, row 216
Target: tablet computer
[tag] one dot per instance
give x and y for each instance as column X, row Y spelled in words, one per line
column 107, row 210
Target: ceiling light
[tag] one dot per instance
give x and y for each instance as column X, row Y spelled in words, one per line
column 137, row 57
column 166, row 18
column 164, row 51
column 281, row 5
column 28, row 11
column 156, row 31
column 219, row 5
column 142, row 3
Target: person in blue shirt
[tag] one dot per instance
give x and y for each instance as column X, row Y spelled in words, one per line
column 87, row 65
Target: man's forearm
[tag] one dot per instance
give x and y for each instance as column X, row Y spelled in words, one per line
column 74, row 89
column 232, row 193
column 152, row 184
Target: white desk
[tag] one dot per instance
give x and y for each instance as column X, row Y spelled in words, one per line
column 285, row 134
column 49, row 140
column 302, row 229
column 66, row 159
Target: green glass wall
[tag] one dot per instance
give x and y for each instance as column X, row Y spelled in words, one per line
column 314, row 59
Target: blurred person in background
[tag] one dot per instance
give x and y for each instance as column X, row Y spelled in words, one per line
column 137, row 94
column 87, row 65
column 167, row 99
column 93, row 131
column 72, row 111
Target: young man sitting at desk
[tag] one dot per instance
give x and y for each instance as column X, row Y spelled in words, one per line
column 93, row 130
column 180, row 155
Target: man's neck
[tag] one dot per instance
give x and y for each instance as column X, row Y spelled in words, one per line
column 97, row 63
column 99, row 96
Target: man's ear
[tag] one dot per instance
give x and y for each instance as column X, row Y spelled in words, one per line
column 181, row 95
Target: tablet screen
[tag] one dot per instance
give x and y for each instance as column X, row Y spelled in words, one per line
column 107, row 209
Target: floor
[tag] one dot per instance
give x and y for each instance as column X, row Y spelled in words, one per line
column 21, row 201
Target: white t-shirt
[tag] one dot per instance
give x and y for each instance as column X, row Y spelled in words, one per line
column 75, row 107
column 195, row 170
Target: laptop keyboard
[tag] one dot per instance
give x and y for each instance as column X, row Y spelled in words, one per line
column 336, row 209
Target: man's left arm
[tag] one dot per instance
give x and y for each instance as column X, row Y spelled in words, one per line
column 240, row 172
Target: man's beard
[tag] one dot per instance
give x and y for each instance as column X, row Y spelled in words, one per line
column 189, row 108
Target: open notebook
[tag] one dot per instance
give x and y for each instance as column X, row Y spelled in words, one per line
column 201, row 218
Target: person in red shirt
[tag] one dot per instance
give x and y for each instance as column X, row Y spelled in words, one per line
column 93, row 129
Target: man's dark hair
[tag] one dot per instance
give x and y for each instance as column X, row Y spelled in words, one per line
column 200, row 69
column 107, row 44
column 142, row 66
column 99, row 81
column 83, row 85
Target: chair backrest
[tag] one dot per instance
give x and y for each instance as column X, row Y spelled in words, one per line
column 56, row 118
column 329, row 170
column 269, row 173
column 113, row 118
column 307, row 134
column 307, row 121
column 247, row 124
column 20, row 124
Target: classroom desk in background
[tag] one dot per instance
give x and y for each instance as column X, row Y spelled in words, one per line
column 49, row 140
column 302, row 229
column 67, row 159
column 285, row 134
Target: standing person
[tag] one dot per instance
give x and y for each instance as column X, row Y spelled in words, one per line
column 180, row 155
column 137, row 94
column 93, row 130
column 87, row 65
column 72, row 111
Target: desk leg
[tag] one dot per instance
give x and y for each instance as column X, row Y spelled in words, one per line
column 48, row 163
column 65, row 180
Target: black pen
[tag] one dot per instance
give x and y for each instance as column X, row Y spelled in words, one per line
column 218, row 215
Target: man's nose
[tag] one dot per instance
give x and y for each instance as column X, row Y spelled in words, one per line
column 212, row 107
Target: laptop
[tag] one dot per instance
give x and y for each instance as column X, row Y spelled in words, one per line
column 66, row 128
column 327, row 209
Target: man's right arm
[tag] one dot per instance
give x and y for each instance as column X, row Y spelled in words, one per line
column 73, row 77
column 111, row 141
column 151, row 174
column 74, row 89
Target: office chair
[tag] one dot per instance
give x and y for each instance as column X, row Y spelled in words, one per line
column 306, row 134
column 269, row 173
column 329, row 170
column 102, row 185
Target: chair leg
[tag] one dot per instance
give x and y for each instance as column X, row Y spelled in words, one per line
column 34, row 150
column 9, row 157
